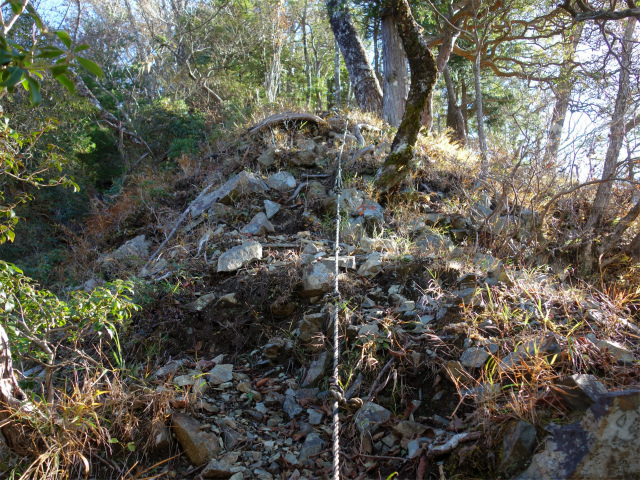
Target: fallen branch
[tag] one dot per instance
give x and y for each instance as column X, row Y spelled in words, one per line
column 363, row 151
column 357, row 131
column 295, row 194
column 283, row 118
column 375, row 388
column 452, row 444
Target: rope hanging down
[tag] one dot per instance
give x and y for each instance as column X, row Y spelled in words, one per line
column 335, row 381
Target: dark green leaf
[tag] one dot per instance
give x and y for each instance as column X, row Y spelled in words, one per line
column 58, row 70
column 50, row 52
column 35, row 16
column 65, row 81
column 64, row 38
column 5, row 57
column 81, row 48
column 34, row 91
column 15, row 74
column 91, row 66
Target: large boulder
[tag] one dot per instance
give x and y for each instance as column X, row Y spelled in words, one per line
column 604, row 444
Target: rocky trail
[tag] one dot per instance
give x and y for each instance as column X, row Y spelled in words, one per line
column 455, row 363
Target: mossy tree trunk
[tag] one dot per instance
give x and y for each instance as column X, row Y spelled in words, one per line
column 396, row 72
column 361, row 75
column 423, row 78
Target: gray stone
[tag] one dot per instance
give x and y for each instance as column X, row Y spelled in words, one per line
column 136, row 249
column 604, row 444
column 316, row 370
column 372, row 266
column 228, row 300
column 291, row 407
column 271, row 208
column 194, row 379
column 217, row 469
column 281, row 181
column 199, row 446
column 239, row 256
column 370, row 417
column 245, row 183
column 434, row 242
column 353, row 230
column 268, row 157
column 620, row 353
column 303, row 158
column 259, row 225
column 311, row 326
column 313, row 445
column 220, row 211
column 221, row 374
column 201, row 303
column 474, row 357
column 408, row 429
column 161, row 436
column 315, row 191
column 274, row 399
column 317, row 279
column 344, row 261
column 315, row 417
column 350, row 200
column 307, row 144
column 371, row 212
column 580, row 391
column 276, row 348
column 517, row 447
column 547, row 345
column 432, row 219
column 484, row 392
column 465, row 295
column 169, row 369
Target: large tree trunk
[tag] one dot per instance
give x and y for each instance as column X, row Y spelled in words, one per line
column 563, row 96
column 396, row 72
column 362, row 77
column 12, row 398
column 455, row 120
column 617, row 132
column 423, row 78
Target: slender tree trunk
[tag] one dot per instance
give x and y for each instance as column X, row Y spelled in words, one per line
column 11, row 399
column 465, row 105
column 617, row 132
column 444, row 53
column 361, row 76
column 563, row 96
column 423, row 78
column 396, row 72
column 376, row 51
column 455, row 121
column 337, row 74
column 307, row 64
column 482, row 139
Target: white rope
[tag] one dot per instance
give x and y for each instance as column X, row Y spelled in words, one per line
column 336, row 330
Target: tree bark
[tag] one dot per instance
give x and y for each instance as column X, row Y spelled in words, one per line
column 305, row 48
column 12, row 398
column 563, row 96
column 362, row 77
column 455, row 120
column 336, row 75
column 617, row 132
column 449, row 37
column 423, row 78
column 482, row 138
column 396, row 73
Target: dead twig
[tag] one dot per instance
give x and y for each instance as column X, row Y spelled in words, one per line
column 285, row 117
